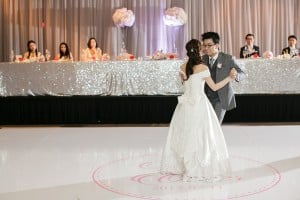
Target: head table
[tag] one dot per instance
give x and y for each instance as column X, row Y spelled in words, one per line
column 138, row 77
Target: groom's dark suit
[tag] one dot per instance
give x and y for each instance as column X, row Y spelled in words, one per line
column 223, row 98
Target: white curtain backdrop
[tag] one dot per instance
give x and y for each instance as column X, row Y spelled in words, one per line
column 75, row 21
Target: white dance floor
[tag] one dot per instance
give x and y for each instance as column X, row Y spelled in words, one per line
column 122, row 163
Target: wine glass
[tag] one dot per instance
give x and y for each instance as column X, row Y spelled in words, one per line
column 244, row 53
column 47, row 55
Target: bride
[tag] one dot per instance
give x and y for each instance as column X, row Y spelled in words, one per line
column 195, row 146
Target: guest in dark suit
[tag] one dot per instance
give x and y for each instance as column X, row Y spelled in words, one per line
column 291, row 49
column 220, row 65
column 249, row 49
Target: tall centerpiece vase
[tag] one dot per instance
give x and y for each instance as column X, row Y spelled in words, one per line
column 123, row 18
column 174, row 18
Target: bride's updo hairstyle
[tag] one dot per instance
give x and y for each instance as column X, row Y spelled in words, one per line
column 193, row 52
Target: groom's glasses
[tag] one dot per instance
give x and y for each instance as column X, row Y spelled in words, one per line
column 208, row 45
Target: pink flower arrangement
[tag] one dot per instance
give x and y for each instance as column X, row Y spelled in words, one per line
column 268, row 54
column 158, row 55
column 175, row 17
column 125, row 56
column 171, row 56
column 131, row 57
column 123, row 17
column 105, row 57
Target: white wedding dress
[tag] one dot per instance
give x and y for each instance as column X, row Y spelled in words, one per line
column 195, row 146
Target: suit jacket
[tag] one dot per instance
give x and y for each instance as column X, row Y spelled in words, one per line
column 223, row 65
column 256, row 49
column 288, row 50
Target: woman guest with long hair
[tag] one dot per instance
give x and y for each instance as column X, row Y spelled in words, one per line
column 32, row 54
column 64, row 53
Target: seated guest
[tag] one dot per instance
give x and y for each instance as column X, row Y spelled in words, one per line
column 93, row 52
column 291, row 49
column 32, row 53
column 64, row 53
column 249, row 49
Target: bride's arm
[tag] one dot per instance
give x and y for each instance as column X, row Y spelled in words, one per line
column 182, row 73
column 216, row 86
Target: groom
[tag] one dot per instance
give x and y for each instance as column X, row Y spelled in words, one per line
column 220, row 65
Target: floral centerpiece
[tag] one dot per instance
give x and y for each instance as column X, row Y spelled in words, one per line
column 125, row 56
column 123, row 17
column 268, row 55
column 105, row 57
column 175, row 17
column 158, row 55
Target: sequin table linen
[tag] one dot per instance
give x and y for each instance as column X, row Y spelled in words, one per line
column 91, row 78
column 269, row 76
column 116, row 78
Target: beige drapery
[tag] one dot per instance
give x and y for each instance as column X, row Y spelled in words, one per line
column 74, row 21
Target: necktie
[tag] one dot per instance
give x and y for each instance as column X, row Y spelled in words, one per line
column 211, row 62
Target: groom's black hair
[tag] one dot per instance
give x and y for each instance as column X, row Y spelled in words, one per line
column 211, row 35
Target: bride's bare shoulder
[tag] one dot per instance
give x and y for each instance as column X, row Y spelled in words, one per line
column 200, row 68
column 182, row 67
